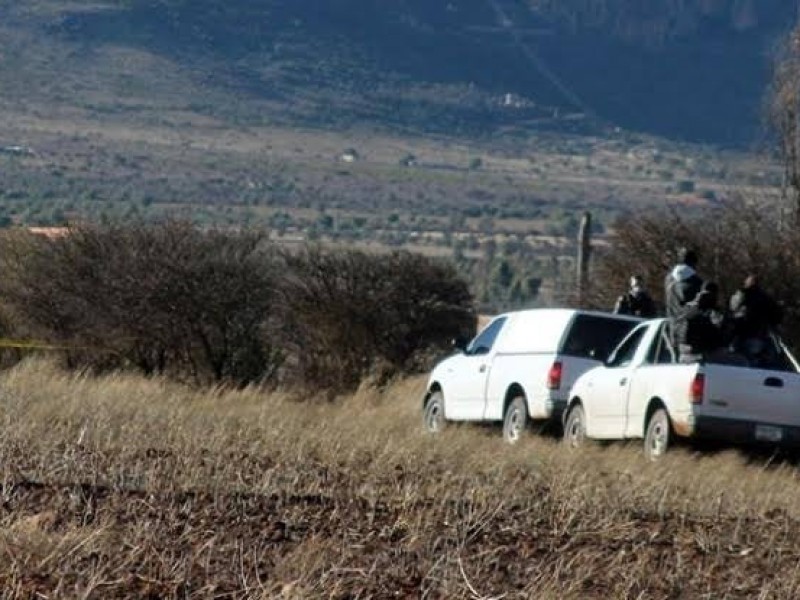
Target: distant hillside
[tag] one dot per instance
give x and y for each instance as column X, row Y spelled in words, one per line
column 689, row 69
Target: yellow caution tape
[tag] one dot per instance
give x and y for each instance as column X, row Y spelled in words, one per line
column 32, row 345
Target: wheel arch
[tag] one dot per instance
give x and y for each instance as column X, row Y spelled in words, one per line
column 513, row 391
column 432, row 389
column 652, row 406
column 574, row 401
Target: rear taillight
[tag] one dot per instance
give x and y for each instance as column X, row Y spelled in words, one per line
column 554, row 376
column 697, row 389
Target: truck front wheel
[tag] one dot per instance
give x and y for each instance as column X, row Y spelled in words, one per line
column 433, row 416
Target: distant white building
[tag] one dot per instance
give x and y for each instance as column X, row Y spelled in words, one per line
column 349, row 156
column 512, row 100
column 17, row 150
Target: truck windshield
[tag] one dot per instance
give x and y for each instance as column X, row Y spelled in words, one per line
column 483, row 342
column 595, row 336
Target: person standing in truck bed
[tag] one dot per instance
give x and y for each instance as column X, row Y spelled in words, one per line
column 682, row 284
column 756, row 316
column 699, row 327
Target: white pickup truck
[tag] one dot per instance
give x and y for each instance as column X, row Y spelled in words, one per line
column 642, row 391
column 520, row 367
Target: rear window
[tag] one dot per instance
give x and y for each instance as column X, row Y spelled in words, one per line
column 594, row 336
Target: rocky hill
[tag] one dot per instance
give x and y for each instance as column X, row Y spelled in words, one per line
column 686, row 69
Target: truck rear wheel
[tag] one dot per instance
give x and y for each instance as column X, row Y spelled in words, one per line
column 658, row 435
column 515, row 421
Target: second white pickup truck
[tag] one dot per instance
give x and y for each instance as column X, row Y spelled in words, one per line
column 643, row 392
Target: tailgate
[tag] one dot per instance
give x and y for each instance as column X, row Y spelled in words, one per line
column 757, row 395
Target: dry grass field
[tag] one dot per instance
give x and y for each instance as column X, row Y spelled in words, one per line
column 124, row 487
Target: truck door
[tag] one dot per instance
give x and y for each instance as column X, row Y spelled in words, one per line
column 465, row 389
column 612, row 385
column 658, row 374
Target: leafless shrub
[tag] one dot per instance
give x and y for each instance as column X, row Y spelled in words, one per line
column 217, row 306
column 354, row 314
column 783, row 117
column 164, row 297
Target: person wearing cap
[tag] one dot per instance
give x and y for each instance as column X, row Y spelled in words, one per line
column 636, row 301
column 682, row 283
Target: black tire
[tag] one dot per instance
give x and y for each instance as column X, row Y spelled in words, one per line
column 433, row 416
column 658, row 436
column 515, row 421
column 575, row 427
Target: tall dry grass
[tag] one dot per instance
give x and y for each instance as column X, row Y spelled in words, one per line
column 127, row 487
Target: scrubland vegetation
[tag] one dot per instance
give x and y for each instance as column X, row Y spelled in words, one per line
column 121, row 486
column 229, row 307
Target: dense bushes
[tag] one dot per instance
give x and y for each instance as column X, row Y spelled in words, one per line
column 165, row 298
column 353, row 314
column 227, row 307
column 732, row 241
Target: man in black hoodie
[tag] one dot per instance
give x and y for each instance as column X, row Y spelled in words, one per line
column 636, row 301
column 682, row 283
column 699, row 326
column 756, row 316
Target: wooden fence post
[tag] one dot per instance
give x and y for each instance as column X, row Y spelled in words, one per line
column 584, row 255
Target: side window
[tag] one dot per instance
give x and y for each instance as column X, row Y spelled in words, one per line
column 666, row 353
column 484, row 341
column 623, row 355
column 660, row 352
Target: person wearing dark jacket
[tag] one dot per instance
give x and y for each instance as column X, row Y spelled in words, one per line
column 756, row 315
column 636, row 301
column 699, row 325
column 682, row 284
